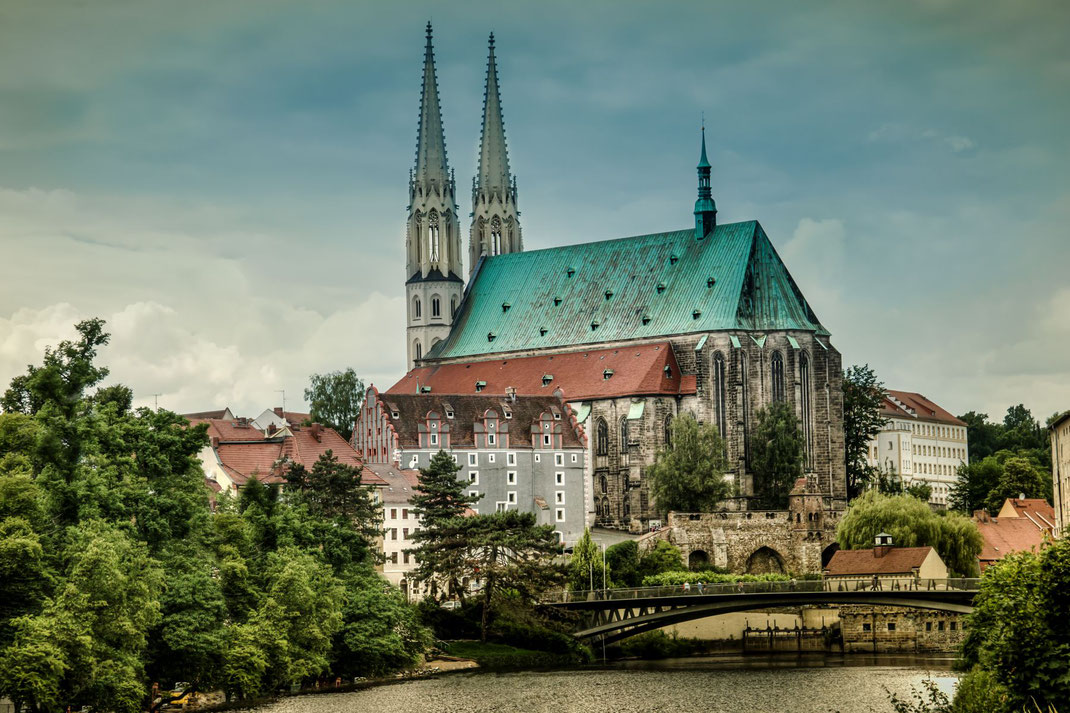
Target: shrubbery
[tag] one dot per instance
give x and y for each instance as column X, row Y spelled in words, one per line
column 667, row 579
column 659, row 645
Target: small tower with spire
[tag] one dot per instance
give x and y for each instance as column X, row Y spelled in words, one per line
column 705, row 208
column 495, row 219
column 433, row 266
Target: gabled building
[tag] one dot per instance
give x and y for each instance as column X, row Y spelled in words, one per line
column 920, row 443
column 886, row 565
column 521, row 453
column 1022, row 525
column 239, row 449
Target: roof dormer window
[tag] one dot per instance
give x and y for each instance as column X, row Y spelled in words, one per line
column 646, row 318
column 505, row 307
column 595, row 324
column 546, row 379
column 710, row 282
column 557, row 301
column 480, row 385
column 668, row 371
column 696, row 314
column 570, row 272
column 607, row 374
column 542, row 331
column 673, row 259
column 491, row 336
column 609, row 293
column 661, row 287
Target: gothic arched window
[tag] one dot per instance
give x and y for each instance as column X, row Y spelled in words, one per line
column 436, row 306
column 432, row 234
column 807, row 407
column 745, row 395
column 602, row 441
column 453, row 307
column 603, row 484
column 778, row 377
column 719, row 391
column 624, row 435
column 668, row 430
column 495, row 236
column 418, row 349
column 416, row 307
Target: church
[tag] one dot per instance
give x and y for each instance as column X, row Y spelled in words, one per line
column 703, row 318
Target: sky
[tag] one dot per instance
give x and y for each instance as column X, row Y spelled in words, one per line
column 226, row 182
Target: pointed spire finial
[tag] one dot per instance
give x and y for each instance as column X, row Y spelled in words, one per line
column 492, row 40
column 705, row 207
column 493, row 173
column 431, row 165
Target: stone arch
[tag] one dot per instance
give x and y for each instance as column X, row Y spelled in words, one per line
column 765, row 560
column 826, row 554
column 697, row 558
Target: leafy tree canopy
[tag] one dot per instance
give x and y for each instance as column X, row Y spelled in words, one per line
column 863, row 398
column 688, row 474
column 911, row 523
column 776, row 454
column 585, row 569
column 335, row 399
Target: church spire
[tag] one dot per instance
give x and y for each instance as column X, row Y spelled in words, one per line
column 495, row 219
column 431, row 167
column 705, row 208
column 493, row 157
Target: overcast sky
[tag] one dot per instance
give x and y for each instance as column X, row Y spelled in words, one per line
column 225, row 182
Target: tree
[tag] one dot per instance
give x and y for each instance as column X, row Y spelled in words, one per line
column 507, row 551
column 776, row 454
column 440, row 501
column 911, row 523
column 1017, row 633
column 863, row 399
column 921, row 490
column 622, row 560
column 688, row 473
column 335, row 399
column 1019, row 477
column 973, row 483
column 662, row 557
column 585, row 569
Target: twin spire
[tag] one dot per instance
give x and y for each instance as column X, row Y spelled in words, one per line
column 493, row 173
column 431, row 166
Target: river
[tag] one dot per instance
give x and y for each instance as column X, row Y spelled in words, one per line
column 816, row 684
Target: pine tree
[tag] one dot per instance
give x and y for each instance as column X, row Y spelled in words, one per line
column 439, row 551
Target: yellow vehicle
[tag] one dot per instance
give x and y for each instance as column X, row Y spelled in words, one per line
column 181, row 696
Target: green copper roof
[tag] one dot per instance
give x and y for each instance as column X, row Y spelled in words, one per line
column 631, row 288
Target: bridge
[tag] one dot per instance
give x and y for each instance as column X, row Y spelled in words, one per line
column 615, row 614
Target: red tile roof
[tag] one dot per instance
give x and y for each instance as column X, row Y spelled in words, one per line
column 914, row 405
column 400, row 484
column 637, row 370
column 305, row 447
column 1005, row 535
column 1035, row 510
column 244, row 460
column 897, row 560
column 230, row 430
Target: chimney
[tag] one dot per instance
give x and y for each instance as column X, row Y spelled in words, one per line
column 316, row 431
column 215, row 442
column 278, row 411
column 882, row 544
column 1021, row 496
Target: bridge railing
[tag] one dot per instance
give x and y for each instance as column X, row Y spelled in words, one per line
column 837, row 584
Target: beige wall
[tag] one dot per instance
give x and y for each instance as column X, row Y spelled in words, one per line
column 1060, row 466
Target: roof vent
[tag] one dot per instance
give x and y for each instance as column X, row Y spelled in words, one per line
column 710, row 282
column 661, row 287
column 480, row 385
column 491, row 336
column 673, row 259
column 506, row 306
column 557, row 301
column 607, row 374
column 570, row 272
column 542, row 331
column 696, row 314
column 594, row 325
column 609, row 293
column 546, row 379
column 646, row 318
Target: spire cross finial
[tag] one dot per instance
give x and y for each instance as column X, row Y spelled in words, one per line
column 428, row 30
column 492, row 40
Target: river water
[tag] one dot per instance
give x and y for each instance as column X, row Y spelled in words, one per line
column 709, row 685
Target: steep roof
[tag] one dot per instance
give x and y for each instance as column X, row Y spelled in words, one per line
column 400, row 485
column 239, row 429
column 526, row 411
column 1005, row 535
column 909, row 404
column 897, row 560
column 641, row 287
column 636, row 371
column 1036, row 510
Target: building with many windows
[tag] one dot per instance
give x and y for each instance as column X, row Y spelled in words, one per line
column 920, row 442
column 1060, row 471
column 521, row 453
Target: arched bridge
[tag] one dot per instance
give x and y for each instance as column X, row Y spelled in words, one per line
column 619, row 613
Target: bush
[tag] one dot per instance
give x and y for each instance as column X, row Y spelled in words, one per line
column 659, row 645
column 979, row 692
column 460, row 623
column 668, row 579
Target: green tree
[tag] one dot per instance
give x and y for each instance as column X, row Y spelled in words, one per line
column 623, row 561
column 335, row 399
column 863, row 399
column 1019, row 477
column 911, row 523
column 662, row 557
column 585, row 565
column 982, row 436
column 1017, row 633
column 507, row 551
column 921, row 490
column 776, row 454
column 688, row 474
column 973, row 484
column 439, row 502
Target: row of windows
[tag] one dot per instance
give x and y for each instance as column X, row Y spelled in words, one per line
column 510, row 477
column 939, row 451
column 404, row 514
column 436, row 307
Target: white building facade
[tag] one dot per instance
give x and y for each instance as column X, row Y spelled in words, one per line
column 920, row 443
